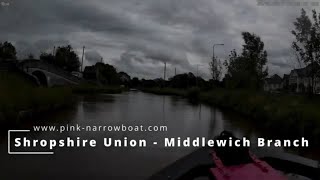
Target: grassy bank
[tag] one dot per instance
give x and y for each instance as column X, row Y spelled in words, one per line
column 288, row 116
column 18, row 95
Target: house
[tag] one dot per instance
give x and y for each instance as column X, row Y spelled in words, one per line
column 273, row 83
column 300, row 80
column 285, row 81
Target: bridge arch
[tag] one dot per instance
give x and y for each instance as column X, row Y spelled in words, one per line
column 55, row 76
column 42, row 78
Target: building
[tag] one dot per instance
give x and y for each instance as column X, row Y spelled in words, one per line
column 285, row 82
column 300, row 80
column 274, row 83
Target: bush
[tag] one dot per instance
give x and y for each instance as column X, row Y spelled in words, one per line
column 193, row 94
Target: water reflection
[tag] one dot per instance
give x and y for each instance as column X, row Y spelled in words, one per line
column 182, row 118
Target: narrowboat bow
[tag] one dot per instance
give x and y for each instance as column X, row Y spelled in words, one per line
column 201, row 164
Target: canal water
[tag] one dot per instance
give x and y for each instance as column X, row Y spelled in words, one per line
column 182, row 119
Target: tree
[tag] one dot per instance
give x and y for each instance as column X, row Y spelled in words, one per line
column 30, row 56
column 307, row 42
column 253, row 51
column 185, row 80
column 107, row 74
column 247, row 70
column 215, row 69
column 7, row 51
column 67, row 59
column 135, row 82
column 49, row 58
column 124, row 78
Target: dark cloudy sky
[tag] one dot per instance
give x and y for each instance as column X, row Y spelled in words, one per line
column 137, row 36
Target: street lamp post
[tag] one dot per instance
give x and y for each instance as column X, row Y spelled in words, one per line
column 165, row 71
column 82, row 59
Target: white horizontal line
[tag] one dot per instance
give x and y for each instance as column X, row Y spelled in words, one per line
column 34, row 153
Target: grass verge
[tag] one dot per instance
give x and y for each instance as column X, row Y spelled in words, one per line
column 284, row 115
column 18, row 96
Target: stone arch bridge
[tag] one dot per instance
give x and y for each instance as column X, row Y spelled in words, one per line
column 47, row 74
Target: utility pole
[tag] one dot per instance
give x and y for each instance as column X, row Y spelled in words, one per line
column 101, row 59
column 213, row 49
column 213, row 53
column 197, row 75
column 82, row 59
column 165, row 69
column 53, row 54
column 175, row 71
column 214, row 63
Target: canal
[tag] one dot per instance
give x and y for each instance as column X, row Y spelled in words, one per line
column 182, row 119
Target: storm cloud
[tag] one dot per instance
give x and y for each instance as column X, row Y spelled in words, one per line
column 93, row 56
column 139, row 36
